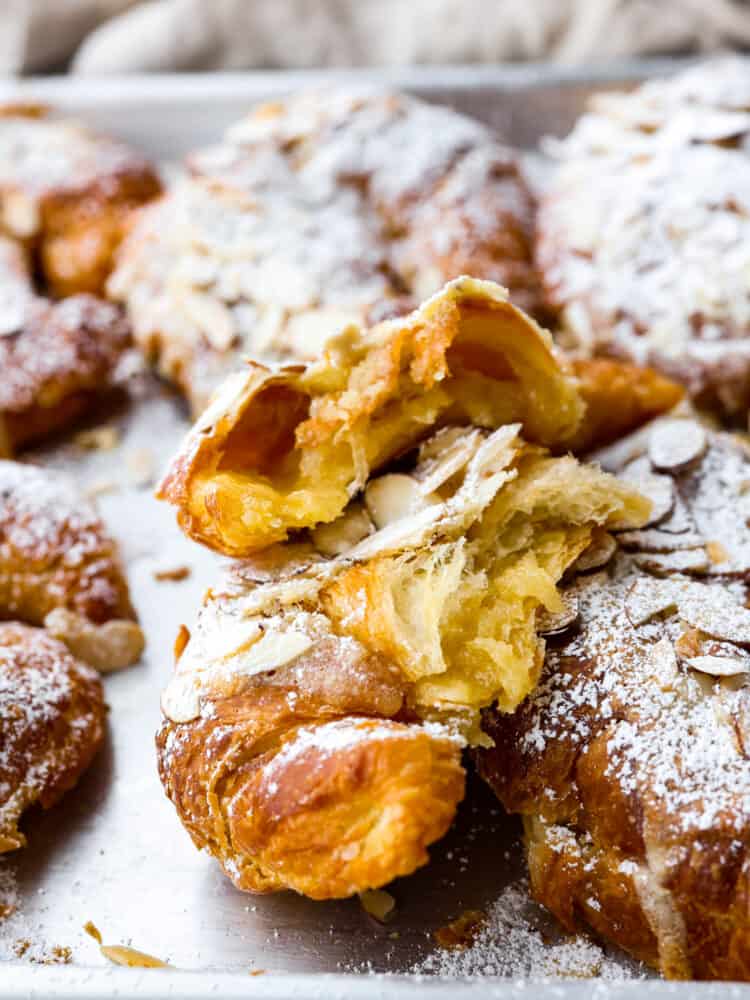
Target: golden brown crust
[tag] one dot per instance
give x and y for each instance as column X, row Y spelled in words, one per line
column 56, row 358
column 629, row 762
column 52, row 717
column 619, row 398
column 58, row 564
column 290, row 788
column 68, row 195
column 394, row 197
column 285, row 449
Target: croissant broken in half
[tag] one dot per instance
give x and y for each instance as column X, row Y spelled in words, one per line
column 630, row 761
column 286, row 448
column 313, row 726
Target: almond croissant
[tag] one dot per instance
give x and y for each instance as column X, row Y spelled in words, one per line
column 313, row 727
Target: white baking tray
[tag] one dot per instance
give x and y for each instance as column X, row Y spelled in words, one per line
column 113, row 851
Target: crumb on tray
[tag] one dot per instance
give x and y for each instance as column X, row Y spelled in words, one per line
column 121, row 954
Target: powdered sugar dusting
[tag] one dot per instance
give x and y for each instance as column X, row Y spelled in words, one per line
column 645, row 232
column 320, row 211
column 332, row 737
column 518, row 942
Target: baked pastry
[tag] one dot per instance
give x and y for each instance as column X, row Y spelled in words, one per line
column 281, row 449
column 644, row 233
column 67, row 194
column 630, row 760
column 52, row 718
column 313, row 726
column 55, row 358
column 317, row 211
column 60, row 568
column 618, row 397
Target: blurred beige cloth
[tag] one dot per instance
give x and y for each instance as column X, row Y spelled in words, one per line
column 123, row 36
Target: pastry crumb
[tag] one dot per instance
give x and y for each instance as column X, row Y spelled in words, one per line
column 141, row 466
column 101, row 486
column 378, row 903
column 461, row 932
column 103, row 438
column 173, row 575
column 120, row 954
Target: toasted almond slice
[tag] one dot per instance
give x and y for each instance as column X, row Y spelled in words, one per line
column 659, row 489
column 647, row 599
column 719, row 666
column 664, row 663
column 394, row 496
column 598, row 554
column 556, row 622
column 211, row 317
column 344, row 533
column 121, row 954
column 445, row 454
column 664, row 564
column 715, row 612
column 658, row 540
column 378, row 903
column 676, row 443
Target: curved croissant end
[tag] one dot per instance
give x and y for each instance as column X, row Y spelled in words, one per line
column 297, row 777
column 83, row 601
column 284, row 449
column 342, row 807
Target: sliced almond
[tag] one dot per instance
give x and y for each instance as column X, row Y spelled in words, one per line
column 378, row 903
column 392, row 497
column 719, row 666
column 674, row 444
column 648, row 599
column 658, row 489
column 716, row 612
column 666, row 563
column 211, row 317
column 658, row 540
column 344, row 533
column 603, row 546
column 181, row 699
column 556, row 622
column 444, row 455
column 663, row 661
column 680, row 520
column 121, row 954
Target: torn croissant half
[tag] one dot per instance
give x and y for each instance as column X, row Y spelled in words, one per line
column 284, row 449
column 313, row 726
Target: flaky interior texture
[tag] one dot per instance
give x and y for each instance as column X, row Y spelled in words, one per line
column 440, row 569
column 279, row 451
